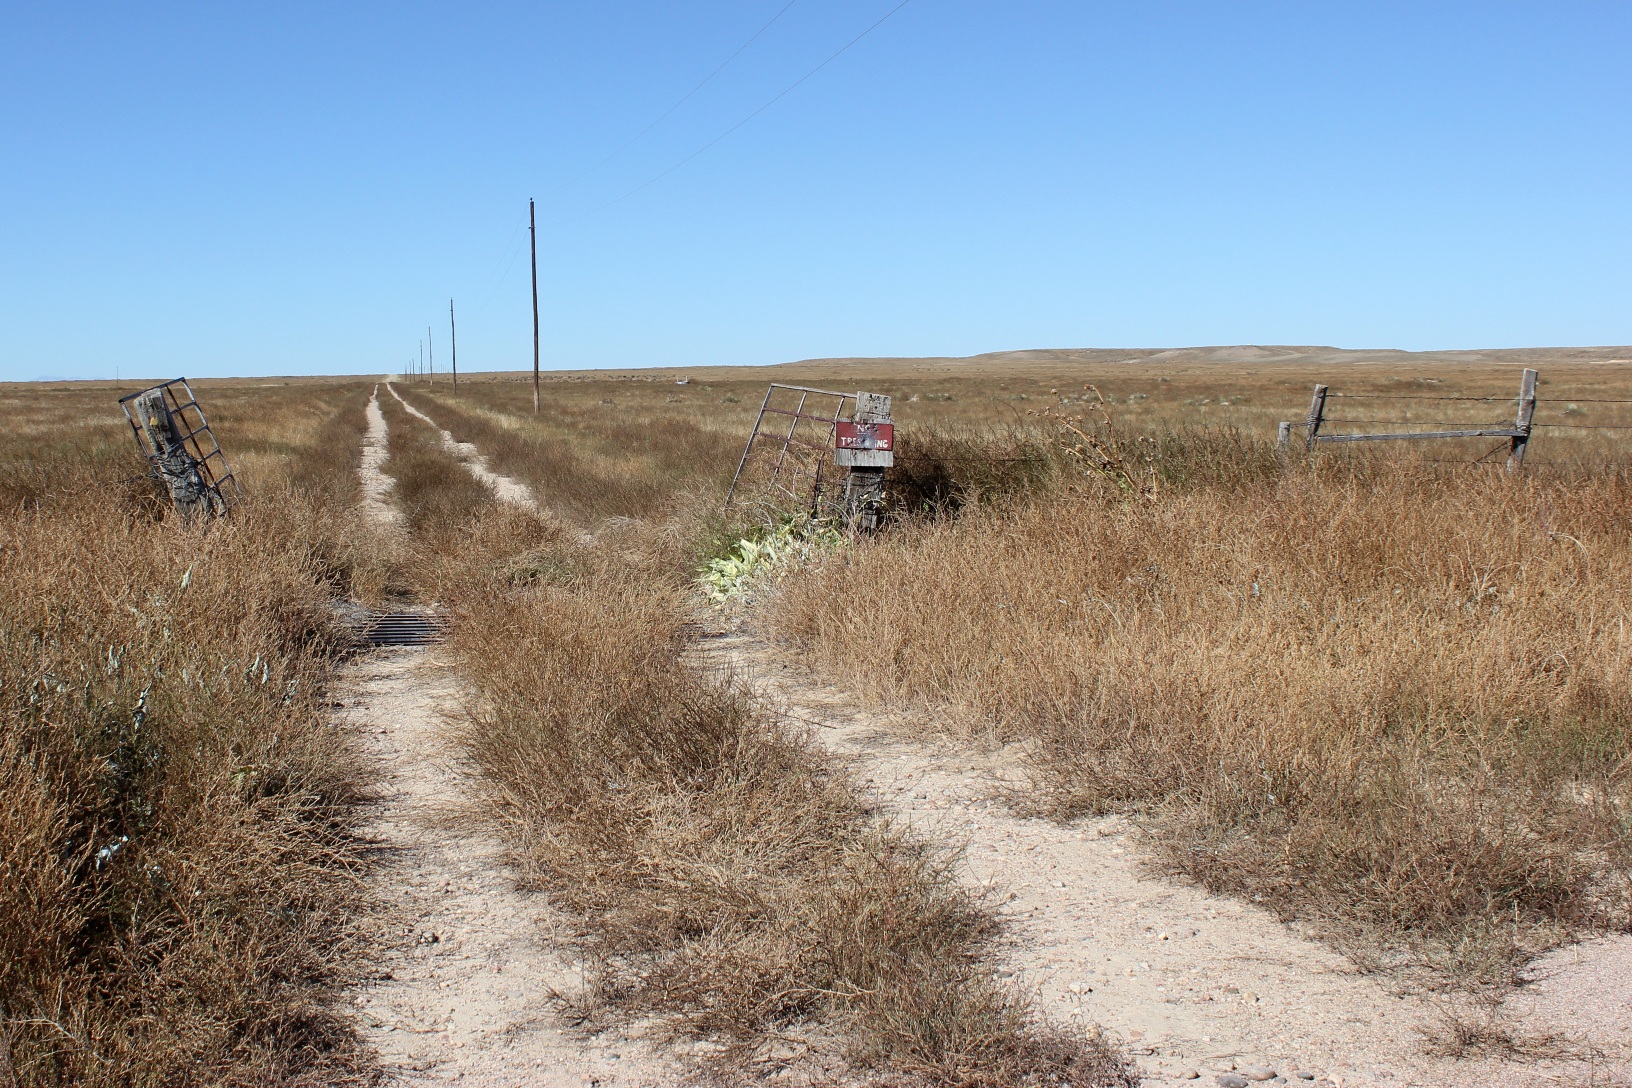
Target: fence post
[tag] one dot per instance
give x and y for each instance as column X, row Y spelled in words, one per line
column 1283, row 438
column 1527, row 412
column 1317, row 413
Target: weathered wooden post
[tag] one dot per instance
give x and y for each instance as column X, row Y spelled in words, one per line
column 1521, row 426
column 865, row 445
column 1317, row 413
column 1283, row 438
column 168, row 454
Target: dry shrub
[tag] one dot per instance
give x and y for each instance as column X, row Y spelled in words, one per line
column 941, row 470
column 176, row 865
column 439, row 498
column 585, row 461
column 728, row 876
column 1400, row 702
column 174, row 840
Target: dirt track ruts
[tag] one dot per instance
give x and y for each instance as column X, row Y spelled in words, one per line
column 1190, row 982
column 469, row 972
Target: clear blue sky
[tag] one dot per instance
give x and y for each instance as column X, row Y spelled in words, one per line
column 300, row 187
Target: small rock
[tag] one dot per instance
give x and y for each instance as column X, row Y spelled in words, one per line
column 1232, row 1080
column 1232, row 989
column 1301, row 1074
column 1189, row 1074
column 1257, row 1072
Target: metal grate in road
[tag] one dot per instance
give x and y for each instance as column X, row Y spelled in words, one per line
column 403, row 629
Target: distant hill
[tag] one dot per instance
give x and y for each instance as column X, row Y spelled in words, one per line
column 1257, row 355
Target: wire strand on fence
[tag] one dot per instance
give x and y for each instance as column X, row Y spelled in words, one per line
column 1586, row 426
column 1417, row 422
column 1419, row 396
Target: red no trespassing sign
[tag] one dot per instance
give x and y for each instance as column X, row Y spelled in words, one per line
column 865, row 436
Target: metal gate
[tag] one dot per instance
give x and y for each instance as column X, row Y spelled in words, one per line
column 781, row 465
column 176, row 441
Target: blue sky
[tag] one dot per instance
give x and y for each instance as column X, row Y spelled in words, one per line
column 299, row 188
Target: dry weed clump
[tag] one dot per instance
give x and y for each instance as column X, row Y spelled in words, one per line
column 586, row 461
column 1399, row 702
column 439, row 497
column 729, row 878
column 176, row 866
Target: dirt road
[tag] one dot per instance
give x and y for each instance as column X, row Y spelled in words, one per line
column 472, row 965
column 1198, row 987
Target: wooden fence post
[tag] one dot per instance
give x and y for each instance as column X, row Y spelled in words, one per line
column 1317, row 413
column 1283, row 438
column 1527, row 412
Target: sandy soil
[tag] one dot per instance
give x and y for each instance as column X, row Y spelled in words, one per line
column 1197, row 987
column 504, row 488
column 377, row 486
column 467, row 985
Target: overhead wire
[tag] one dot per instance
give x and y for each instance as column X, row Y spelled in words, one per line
column 789, row 89
column 706, row 80
column 513, row 249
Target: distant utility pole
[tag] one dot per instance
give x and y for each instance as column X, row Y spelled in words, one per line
column 421, row 359
column 453, row 340
column 432, row 356
column 532, row 231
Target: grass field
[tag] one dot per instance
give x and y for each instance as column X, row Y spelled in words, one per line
column 177, row 863
column 1382, row 691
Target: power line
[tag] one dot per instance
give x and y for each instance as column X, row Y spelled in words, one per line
column 512, row 249
column 789, row 89
column 627, row 144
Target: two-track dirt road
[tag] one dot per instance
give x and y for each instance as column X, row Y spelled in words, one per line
column 1196, row 986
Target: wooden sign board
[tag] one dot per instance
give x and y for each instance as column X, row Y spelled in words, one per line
column 868, row 440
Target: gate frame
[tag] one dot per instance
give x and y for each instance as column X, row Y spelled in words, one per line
column 783, row 441
column 209, row 462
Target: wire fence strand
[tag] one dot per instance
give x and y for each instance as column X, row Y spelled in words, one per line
column 1419, row 396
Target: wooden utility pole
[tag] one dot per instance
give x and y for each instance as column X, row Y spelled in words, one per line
column 431, row 346
column 453, row 342
column 532, row 231
column 422, row 358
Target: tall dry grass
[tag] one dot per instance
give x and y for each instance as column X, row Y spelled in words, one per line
column 440, row 500
column 587, row 461
column 727, row 877
column 177, row 875
column 1393, row 701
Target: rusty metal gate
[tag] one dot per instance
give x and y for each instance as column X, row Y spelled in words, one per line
column 176, row 441
column 788, row 464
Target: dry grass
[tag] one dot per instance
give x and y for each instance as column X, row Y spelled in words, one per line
column 1380, row 692
column 439, row 498
column 1395, row 701
column 589, row 461
column 728, row 878
column 176, row 866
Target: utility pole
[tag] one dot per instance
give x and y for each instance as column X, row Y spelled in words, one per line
column 453, row 339
column 429, row 343
column 532, row 231
column 422, row 358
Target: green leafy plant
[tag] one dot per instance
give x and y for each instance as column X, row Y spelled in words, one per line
column 769, row 558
